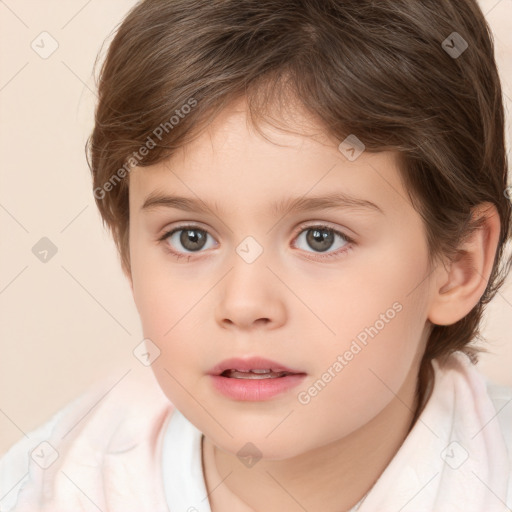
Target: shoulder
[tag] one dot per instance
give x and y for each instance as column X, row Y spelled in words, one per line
column 15, row 463
column 498, row 398
column 501, row 398
column 486, row 407
column 120, row 412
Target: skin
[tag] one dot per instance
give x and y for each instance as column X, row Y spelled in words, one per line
column 292, row 307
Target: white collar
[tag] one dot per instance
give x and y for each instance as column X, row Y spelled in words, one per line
column 184, row 484
column 183, row 477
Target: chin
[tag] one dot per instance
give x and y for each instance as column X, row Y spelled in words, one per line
column 252, row 448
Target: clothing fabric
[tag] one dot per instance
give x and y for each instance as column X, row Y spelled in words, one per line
column 125, row 448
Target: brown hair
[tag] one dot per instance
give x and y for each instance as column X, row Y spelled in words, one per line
column 379, row 70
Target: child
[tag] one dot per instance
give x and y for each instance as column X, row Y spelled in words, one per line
column 309, row 199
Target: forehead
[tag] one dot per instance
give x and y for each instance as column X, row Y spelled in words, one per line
column 231, row 165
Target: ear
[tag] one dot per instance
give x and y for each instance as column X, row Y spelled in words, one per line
column 460, row 284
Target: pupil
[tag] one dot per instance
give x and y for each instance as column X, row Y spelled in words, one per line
column 323, row 237
column 192, row 239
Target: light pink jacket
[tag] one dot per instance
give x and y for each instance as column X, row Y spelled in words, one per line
column 109, row 445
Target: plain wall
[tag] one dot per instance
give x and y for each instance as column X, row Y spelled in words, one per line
column 67, row 321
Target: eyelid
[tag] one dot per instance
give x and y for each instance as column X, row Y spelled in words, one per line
column 325, row 225
column 166, row 232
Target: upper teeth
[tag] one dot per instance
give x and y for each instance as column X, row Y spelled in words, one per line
column 258, row 373
column 255, row 371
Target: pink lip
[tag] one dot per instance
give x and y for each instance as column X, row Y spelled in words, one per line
column 254, row 389
column 252, row 363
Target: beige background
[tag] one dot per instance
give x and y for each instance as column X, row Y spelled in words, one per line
column 68, row 321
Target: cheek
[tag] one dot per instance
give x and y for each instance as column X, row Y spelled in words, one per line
column 379, row 317
column 171, row 307
column 355, row 380
column 160, row 296
column 166, row 308
column 169, row 320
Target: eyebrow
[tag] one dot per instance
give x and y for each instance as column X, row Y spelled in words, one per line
column 338, row 200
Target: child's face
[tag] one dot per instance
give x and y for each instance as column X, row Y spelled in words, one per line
column 302, row 302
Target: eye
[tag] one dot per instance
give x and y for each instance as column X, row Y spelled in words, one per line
column 322, row 238
column 191, row 238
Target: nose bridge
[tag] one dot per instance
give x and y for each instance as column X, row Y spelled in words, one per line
column 249, row 273
column 250, row 250
column 249, row 292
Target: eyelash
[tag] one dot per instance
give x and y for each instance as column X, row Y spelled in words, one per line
column 320, row 256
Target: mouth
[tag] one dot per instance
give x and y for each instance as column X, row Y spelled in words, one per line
column 254, row 379
column 253, row 368
column 254, row 374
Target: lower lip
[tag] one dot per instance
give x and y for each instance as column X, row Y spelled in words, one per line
column 255, row 389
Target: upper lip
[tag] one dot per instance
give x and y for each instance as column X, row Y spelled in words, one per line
column 251, row 363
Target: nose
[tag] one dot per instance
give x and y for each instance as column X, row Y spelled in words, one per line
column 250, row 296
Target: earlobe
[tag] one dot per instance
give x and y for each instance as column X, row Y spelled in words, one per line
column 464, row 280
